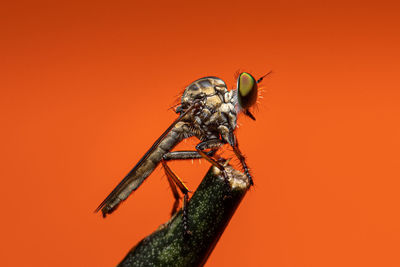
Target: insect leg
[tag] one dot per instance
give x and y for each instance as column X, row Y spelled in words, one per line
column 176, row 182
column 180, row 155
column 213, row 144
column 242, row 159
column 174, row 192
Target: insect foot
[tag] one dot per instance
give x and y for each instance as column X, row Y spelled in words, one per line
column 222, row 170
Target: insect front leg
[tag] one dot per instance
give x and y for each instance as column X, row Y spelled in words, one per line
column 239, row 155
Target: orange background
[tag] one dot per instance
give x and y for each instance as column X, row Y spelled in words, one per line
column 86, row 87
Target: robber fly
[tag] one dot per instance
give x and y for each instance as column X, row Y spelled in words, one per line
column 207, row 111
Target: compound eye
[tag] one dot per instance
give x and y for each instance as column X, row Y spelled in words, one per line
column 247, row 90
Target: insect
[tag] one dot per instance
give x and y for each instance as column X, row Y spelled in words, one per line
column 207, row 111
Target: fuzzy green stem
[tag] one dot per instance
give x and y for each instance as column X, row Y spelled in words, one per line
column 209, row 212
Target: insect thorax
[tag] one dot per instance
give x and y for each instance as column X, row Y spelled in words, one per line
column 218, row 114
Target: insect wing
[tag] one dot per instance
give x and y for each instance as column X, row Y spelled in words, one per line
column 131, row 177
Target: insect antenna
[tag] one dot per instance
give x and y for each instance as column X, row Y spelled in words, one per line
column 262, row 77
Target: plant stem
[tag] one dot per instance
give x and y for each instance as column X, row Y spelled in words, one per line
column 209, row 212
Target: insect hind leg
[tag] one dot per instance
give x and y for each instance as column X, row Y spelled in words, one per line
column 187, row 154
column 175, row 182
column 174, row 191
column 179, row 155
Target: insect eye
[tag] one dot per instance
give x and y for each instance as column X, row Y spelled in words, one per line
column 247, row 90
